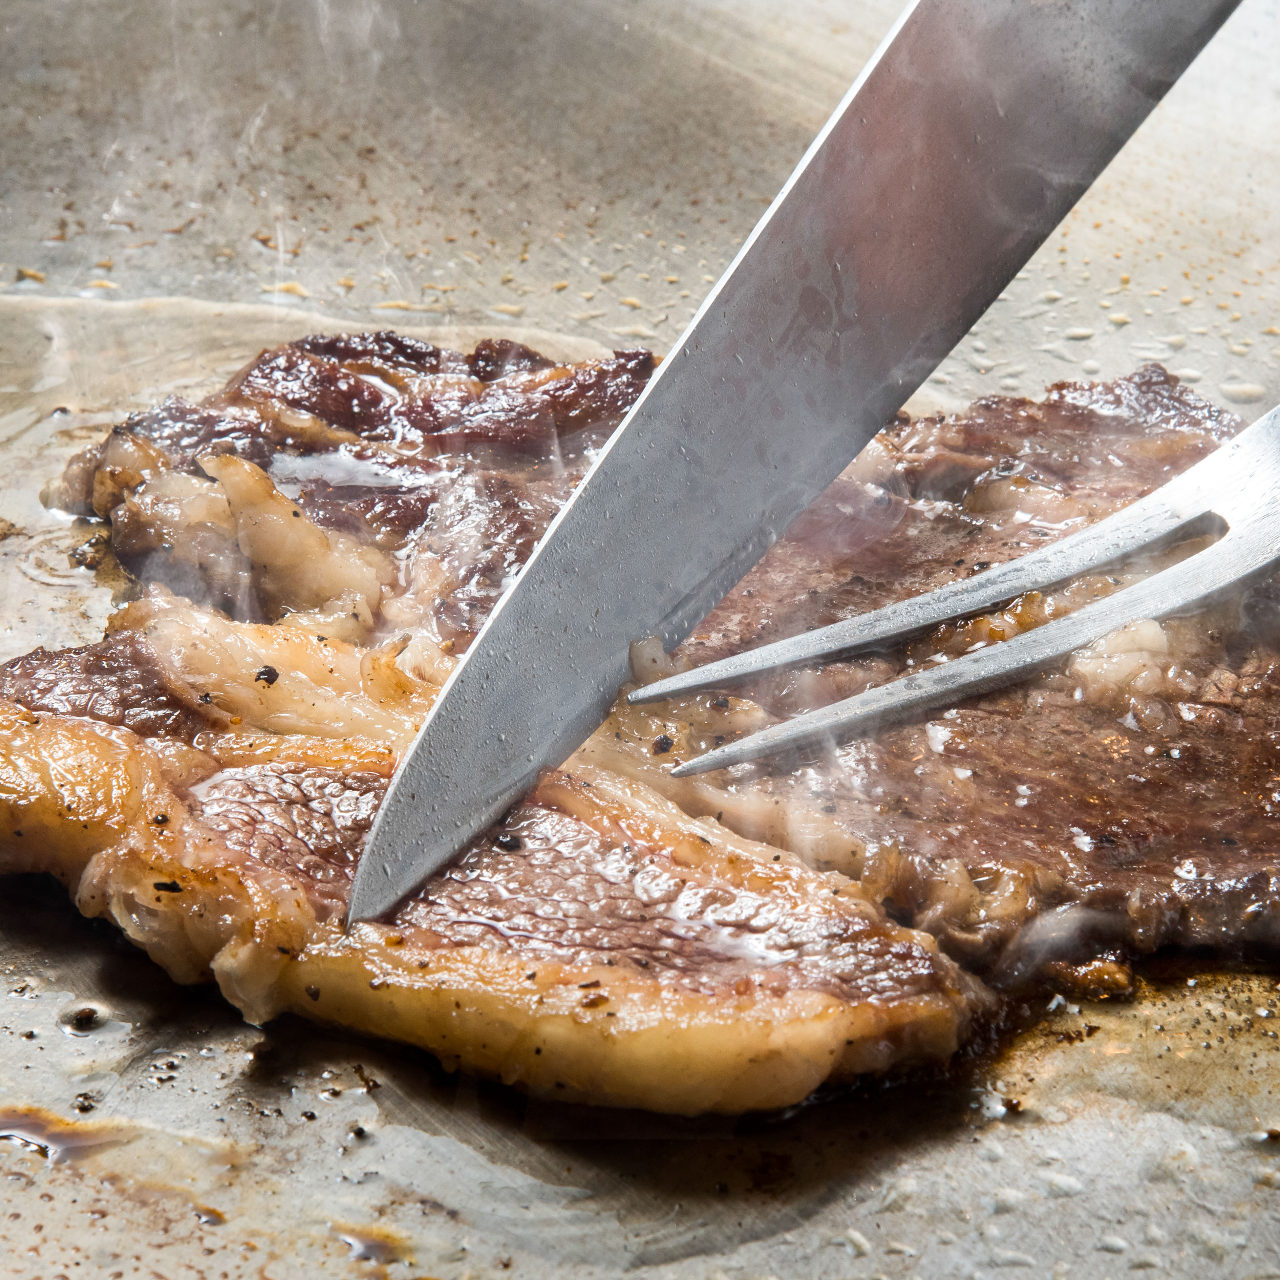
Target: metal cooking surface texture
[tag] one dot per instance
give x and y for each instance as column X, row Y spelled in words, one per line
column 584, row 170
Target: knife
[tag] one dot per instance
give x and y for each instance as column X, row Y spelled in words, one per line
column 973, row 130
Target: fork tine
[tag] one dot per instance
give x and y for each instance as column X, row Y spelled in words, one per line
column 1141, row 523
column 1188, row 583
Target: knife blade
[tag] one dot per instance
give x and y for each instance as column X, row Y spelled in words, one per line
column 967, row 138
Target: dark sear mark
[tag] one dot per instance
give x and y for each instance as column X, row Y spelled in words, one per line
column 118, row 681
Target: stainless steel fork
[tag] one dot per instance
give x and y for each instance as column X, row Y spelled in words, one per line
column 1239, row 483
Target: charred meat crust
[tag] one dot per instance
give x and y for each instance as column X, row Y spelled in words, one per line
column 384, row 396
column 117, row 681
column 374, row 436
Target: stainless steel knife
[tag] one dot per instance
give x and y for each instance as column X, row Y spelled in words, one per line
column 966, row 139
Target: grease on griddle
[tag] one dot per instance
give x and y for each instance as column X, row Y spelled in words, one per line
column 372, row 1244
column 41, row 1132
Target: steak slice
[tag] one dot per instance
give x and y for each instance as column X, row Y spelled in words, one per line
column 1125, row 798
column 598, row 946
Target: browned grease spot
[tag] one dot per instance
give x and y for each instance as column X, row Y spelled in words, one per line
column 37, row 1130
column 372, row 1244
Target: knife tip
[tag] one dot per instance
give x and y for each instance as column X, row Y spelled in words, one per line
column 371, row 896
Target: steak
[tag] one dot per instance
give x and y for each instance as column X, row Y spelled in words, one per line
column 316, row 545
column 1123, row 799
column 311, row 559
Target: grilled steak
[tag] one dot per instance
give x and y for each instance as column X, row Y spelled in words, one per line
column 317, row 544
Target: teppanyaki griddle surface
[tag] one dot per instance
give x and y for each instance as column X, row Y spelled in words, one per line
column 149, row 1128
column 1137, row 1133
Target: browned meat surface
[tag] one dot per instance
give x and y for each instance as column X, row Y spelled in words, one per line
column 337, row 524
column 935, row 500
column 560, row 881
column 380, row 395
column 117, row 681
column 599, row 945
column 1126, row 798
column 377, row 445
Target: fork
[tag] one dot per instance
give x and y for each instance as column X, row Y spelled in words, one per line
column 1238, row 484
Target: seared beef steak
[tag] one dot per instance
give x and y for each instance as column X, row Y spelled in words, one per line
column 1130, row 792
column 315, row 546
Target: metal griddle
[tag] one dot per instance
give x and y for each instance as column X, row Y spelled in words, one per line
column 293, row 168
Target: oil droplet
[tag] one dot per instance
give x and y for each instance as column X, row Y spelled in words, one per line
column 81, row 1020
column 368, row 1244
column 1243, row 392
